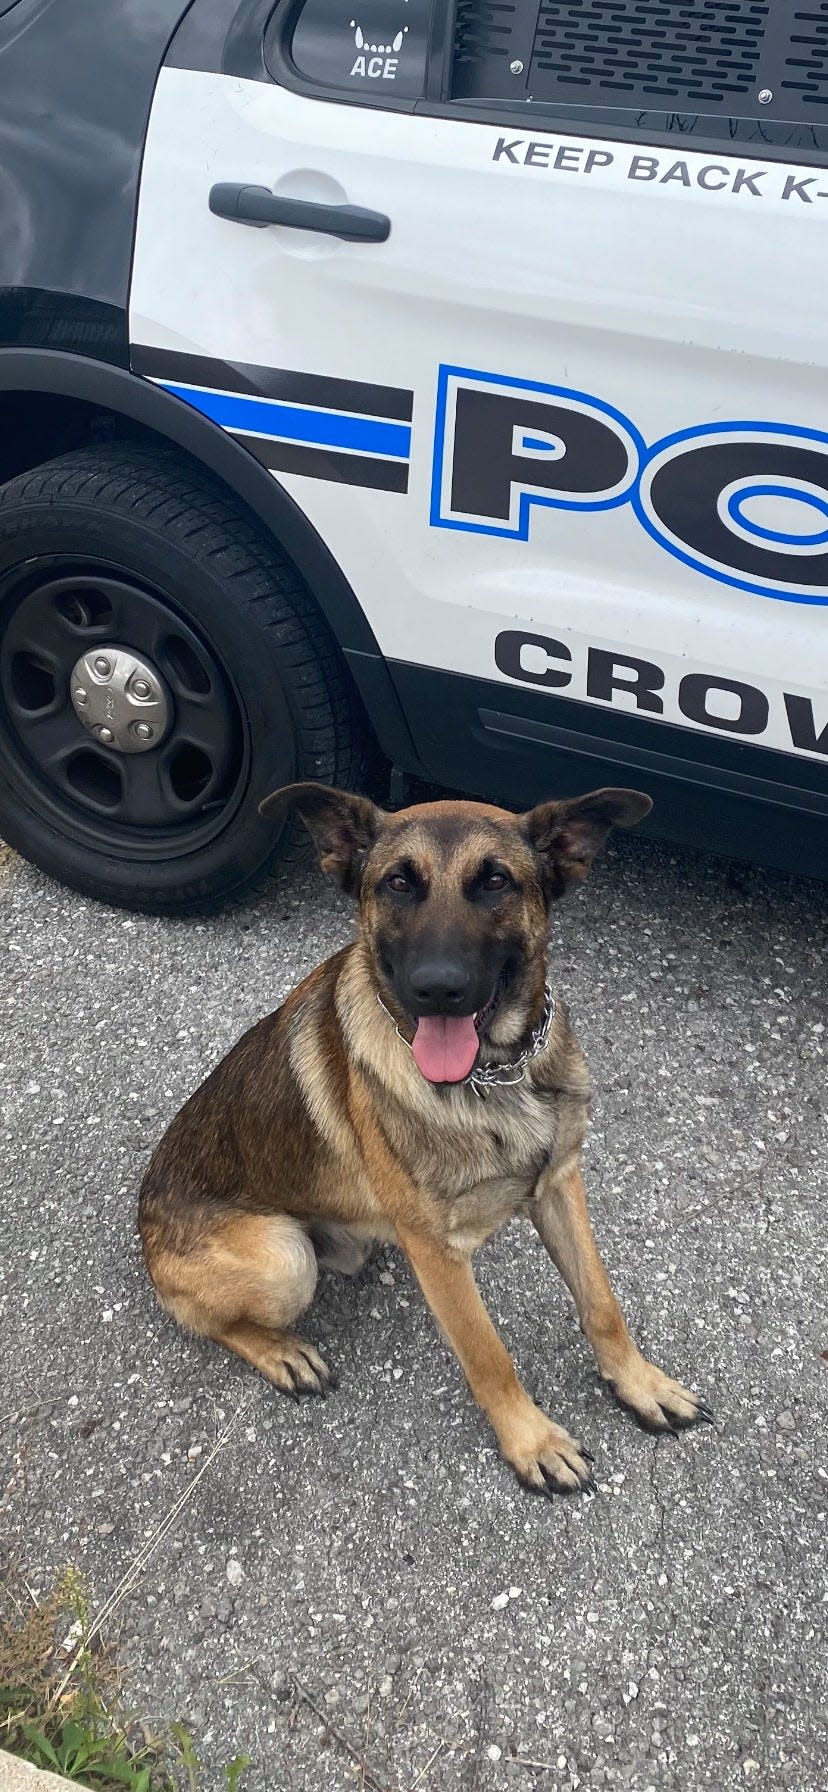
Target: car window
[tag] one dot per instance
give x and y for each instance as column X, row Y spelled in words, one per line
column 720, row 71
column 374, row 50
column 749, row 69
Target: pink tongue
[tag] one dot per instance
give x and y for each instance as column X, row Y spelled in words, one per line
column 445, row 1049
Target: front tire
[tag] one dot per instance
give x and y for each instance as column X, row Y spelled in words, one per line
column 115, row 551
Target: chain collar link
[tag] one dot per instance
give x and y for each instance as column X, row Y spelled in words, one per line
column 504, row 1076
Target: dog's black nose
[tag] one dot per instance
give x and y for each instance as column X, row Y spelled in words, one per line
column 440, row 986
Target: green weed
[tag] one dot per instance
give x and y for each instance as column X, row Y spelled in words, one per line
column 60, row 1707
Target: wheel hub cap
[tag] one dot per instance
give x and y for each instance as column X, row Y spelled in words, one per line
column 121, row 699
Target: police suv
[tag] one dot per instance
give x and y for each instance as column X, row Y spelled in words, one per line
column 448, row 375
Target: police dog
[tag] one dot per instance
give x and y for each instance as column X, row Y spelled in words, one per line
column 421, row 1086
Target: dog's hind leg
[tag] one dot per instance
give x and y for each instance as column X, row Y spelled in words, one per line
column 338, row 1247
column 244, row 1283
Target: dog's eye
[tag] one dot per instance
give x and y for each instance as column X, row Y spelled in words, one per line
column 496, row 880
column 399, row 884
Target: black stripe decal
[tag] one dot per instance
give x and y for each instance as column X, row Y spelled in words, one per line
column 273, row 382
column 326, row 463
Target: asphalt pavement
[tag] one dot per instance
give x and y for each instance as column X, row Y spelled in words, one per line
column 358, row 1592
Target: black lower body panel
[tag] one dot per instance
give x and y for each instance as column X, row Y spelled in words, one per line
column 515, row 746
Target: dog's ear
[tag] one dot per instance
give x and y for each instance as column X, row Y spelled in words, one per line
column 567, row 835
column 342, row 827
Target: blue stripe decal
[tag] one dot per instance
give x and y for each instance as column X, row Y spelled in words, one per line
column 294, row 423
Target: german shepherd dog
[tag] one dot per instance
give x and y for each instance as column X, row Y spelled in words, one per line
column 421, row 1086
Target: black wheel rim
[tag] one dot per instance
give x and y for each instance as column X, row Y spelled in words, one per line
column 151, row 805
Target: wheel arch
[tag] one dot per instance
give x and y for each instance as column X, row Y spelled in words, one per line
column 51, row 402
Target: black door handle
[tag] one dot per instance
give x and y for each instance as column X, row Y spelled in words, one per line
column 257, row 205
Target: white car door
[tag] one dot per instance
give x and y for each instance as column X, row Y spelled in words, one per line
column 564, row 425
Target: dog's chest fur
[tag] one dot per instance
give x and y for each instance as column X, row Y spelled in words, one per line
column 477, row 1160
column 480, row 1160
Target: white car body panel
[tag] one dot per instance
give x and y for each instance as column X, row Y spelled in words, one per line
column 678, row 300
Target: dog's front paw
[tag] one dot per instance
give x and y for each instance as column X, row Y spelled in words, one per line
column 544, row 1456
column 658, row 1403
